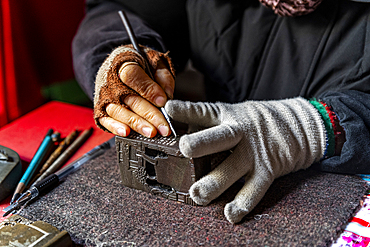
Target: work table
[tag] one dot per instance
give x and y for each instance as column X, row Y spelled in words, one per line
column 304, row 208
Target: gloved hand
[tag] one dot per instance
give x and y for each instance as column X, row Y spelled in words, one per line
column 269, row 139
column 127, row 98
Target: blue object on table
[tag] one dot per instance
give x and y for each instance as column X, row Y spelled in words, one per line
column 35, row 162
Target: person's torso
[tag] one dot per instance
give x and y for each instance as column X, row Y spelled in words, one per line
column 247, row 52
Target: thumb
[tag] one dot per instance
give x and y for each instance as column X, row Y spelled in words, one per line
column 201, row 114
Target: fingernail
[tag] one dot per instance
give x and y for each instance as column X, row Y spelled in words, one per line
column 169, row 92
column 121, row 132
column 164, row 130
column 160, row 101
column 147, row 131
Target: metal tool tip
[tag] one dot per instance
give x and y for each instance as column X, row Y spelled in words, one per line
column 6, row 214
column 173, row 131
column 168, row 121
column 8, row 210
column 15, row 198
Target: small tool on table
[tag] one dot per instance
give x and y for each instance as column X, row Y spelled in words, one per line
column 57, row 152
column 53, row 180
column 134, row 42
column 70, row 150
column 35, row 162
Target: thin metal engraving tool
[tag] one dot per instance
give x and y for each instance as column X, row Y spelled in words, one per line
column 134, row 42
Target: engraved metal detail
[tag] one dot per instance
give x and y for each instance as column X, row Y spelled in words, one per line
column 168, row 141
column 140, row 174
column 171, row 194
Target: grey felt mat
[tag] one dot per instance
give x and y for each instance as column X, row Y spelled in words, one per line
column 307, row 208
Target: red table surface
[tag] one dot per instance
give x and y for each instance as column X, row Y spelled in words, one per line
column 25, row 134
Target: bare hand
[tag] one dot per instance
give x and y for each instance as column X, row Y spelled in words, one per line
column 141, row 114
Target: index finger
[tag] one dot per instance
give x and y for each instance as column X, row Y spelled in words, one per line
column 136, row 78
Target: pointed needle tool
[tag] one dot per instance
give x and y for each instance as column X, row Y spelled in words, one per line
column 136, row 46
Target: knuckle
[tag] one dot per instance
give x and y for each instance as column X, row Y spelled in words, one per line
column 133, row 122
column 133, row 101
column 106, row 123
column 128, row 71
column 113, row 110
column 148, row 90
column 149, row 115
column 166, row 72
column 165, row 76
column 136, row 104
column 103, row 121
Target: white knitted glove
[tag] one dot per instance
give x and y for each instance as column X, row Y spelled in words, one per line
column 271, row 139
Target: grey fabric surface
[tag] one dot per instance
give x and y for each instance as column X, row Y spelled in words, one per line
column 307, row 208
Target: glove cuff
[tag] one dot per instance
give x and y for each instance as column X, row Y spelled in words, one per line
column 335, row 135
column 108, row 86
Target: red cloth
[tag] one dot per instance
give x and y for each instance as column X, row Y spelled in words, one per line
column 35, row 41
column 25, row 134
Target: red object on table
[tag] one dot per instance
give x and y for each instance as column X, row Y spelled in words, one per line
column 35, row 51
column 25, row 134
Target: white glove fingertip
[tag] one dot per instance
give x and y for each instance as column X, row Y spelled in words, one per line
column 204, row 191
column 185, row 147
column 233, row 213
column 255, row 187
column 170, row 107
column 202, row 114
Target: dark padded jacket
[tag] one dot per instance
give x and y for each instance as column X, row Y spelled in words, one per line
column 247, row 52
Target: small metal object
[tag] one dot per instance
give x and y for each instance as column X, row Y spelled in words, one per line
column 168, row 120
column 55, row 137
column 156, row 165
column 10, row 171
column 19, row 231
column 12, row 208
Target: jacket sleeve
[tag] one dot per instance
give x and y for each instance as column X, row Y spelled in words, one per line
column 99, row 33
column 353, row 110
